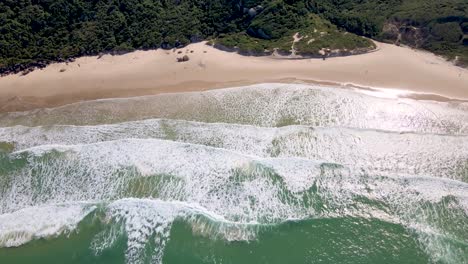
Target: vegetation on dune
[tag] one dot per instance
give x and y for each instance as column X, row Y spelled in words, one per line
column 316, row 37
column 35, row 32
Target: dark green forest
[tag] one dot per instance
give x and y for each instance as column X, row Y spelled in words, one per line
column 36, row 32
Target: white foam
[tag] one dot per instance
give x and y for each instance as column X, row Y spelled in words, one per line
column 264, row 105
column 31, row 223
column 144, row 220
column 417, row 154
column 200, row 174
column 240, row 174
column 238, row 188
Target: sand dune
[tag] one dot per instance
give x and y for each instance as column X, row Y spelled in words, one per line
column 157, row 71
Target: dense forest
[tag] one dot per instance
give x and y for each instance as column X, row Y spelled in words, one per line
column 36, row 32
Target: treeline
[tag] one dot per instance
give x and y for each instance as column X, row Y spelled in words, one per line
column 51, row 30
column 440, row 26
column 40, row 31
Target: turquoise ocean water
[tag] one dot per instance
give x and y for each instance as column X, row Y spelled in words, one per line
column 270, row 173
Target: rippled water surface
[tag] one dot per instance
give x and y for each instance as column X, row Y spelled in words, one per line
column 270, row 173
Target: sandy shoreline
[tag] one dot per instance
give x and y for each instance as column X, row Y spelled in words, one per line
column 152, row 72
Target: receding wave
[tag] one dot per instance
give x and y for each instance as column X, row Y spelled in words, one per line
column 263, row 105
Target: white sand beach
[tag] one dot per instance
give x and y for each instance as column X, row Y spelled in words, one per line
column 157, row 71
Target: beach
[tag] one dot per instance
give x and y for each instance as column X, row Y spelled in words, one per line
column 157, row 71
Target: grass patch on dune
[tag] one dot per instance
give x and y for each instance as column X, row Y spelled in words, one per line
column 321, row 34
column 312, row 39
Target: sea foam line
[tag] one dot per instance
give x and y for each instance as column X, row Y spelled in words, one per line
column 414, row 153
column 263, row 105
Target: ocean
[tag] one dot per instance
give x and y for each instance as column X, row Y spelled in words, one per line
column 268, row 173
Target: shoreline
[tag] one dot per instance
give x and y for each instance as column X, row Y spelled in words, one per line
column 408, row 73
column 32, row 103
